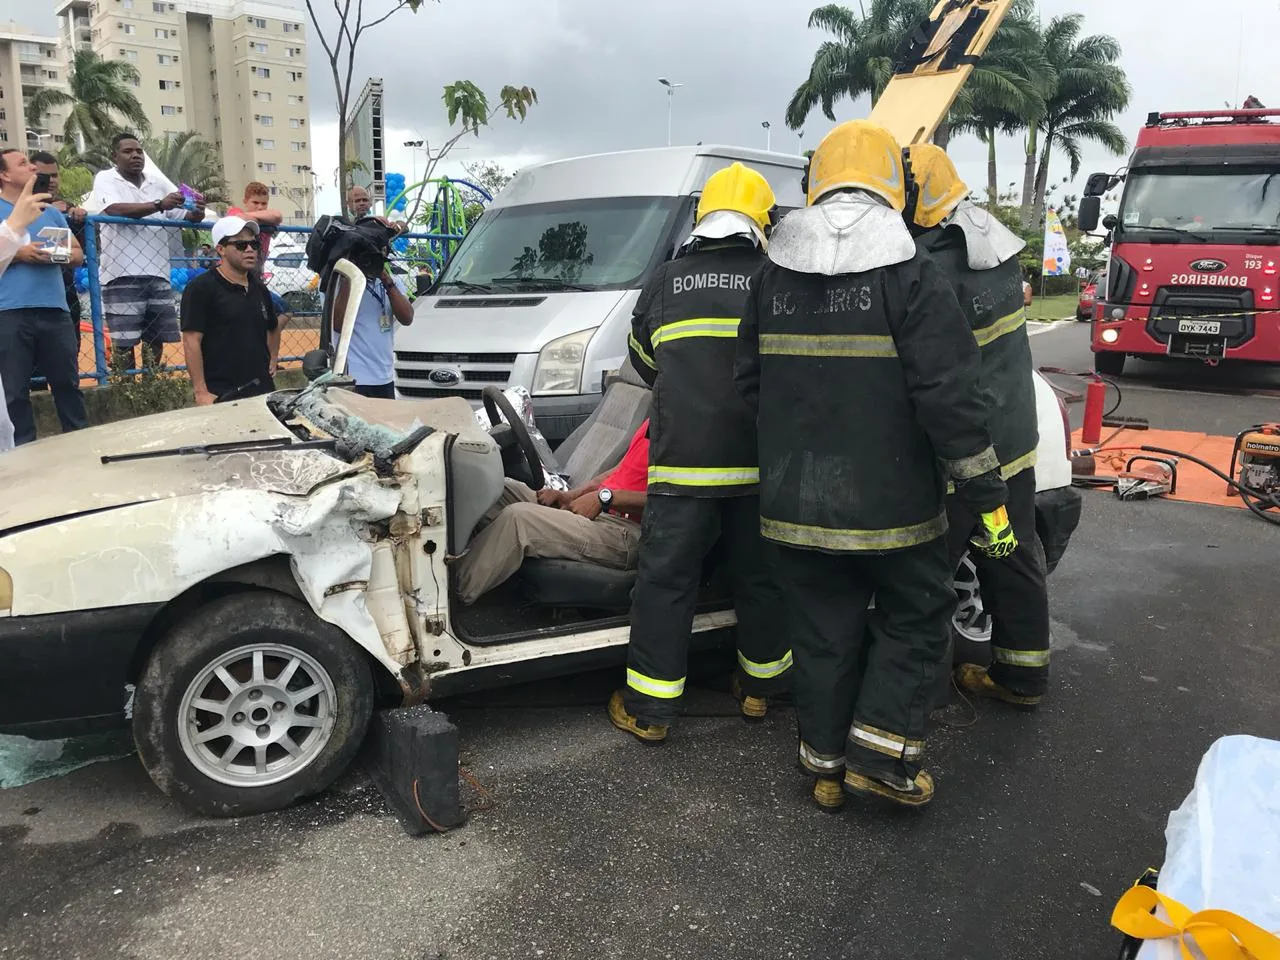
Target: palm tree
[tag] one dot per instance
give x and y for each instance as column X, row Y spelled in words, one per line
column 1083, row 90
column 100, row 98
column 186, row 158
column 860, row 61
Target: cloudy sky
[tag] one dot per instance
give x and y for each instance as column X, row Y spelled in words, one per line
column 595, row 67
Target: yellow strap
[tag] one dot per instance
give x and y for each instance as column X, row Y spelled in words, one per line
column 1219, row 934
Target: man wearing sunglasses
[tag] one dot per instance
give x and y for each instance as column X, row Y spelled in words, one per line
column 230, row 331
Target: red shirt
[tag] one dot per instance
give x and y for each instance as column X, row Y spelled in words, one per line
column 633, row 472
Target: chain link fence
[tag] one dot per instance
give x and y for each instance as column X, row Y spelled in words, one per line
column 135, row 271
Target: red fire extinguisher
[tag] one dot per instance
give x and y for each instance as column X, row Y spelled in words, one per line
column 1095, row 398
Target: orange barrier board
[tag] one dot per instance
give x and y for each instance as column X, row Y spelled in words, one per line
column 1195, row 483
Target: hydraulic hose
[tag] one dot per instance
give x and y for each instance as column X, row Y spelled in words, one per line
column 1245, row 492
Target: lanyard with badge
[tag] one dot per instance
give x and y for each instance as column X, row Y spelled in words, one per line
column 379, row 292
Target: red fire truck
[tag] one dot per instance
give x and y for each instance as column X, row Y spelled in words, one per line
column 1195, row 244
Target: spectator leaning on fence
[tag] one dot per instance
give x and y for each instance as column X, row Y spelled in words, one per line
column 137, row 296
column 34, row 324
column 229, row 331
column 257, row 199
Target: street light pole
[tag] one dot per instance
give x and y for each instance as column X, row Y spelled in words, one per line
column 800, row 142
column 413, row 146
column 671, row 97
column 768, row 136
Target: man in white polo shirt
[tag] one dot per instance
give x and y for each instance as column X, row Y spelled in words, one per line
column 134, row 262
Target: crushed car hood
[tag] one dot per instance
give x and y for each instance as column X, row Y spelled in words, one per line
column 64, row 475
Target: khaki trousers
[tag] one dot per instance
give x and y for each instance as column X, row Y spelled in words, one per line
column 520, row 527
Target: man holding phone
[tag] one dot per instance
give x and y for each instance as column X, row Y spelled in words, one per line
column 35, row 326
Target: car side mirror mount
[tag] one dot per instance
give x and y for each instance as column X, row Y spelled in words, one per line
column 315, row 363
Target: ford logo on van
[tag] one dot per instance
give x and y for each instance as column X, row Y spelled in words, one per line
column 445, row 376
column 1208, row 266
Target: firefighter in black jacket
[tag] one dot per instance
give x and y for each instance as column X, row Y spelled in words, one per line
column 855, row 353
column 980, row 257
column 702, row 464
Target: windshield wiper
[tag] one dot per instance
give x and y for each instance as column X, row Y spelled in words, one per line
column 541, row 283
column 467, row 286
column 1251, row 228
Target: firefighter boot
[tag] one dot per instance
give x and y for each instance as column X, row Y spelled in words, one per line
column 828, row 794
column 974, row 679
column 914, row 793
column 753, row 708
column 618, row 716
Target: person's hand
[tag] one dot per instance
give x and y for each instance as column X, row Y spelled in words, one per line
column 33, row 253
column 553, row 498
column 588, row 505
column 197, row 213
column 173, row 201
column 273, row 366
column 27, row 210
column 77, row 214
column 204, row 398
column 995, row 537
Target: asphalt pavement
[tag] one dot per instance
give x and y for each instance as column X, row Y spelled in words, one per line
column 707, row 846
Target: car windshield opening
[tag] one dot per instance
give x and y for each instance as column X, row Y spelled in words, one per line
column 602, row 244
column 1193, row 203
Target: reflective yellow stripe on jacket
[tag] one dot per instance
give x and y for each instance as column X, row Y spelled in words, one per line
column 1003, row 326
column 640, row 351
column 827, row 345
column 704, row 476
column 700, row 327
column 828, row 538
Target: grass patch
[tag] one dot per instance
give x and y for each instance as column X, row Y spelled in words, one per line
column 1053, row 308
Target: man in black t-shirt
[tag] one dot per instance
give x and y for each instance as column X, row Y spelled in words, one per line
column 230, row 333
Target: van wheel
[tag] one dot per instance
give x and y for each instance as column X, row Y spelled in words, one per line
column 971, row 623
column 250, row 703
column 1110, row 364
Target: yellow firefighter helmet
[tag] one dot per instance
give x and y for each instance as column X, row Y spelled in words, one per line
column 936, row 187
column 859, row 155
column 738, row 189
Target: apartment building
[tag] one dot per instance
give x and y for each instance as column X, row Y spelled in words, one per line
column 27, row 63
column 234, row 71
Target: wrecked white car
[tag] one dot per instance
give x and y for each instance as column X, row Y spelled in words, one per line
column 246, row 582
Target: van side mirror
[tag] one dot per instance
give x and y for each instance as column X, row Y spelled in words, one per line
column 1089, row 212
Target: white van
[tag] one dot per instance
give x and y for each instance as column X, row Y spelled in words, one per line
column 540, row 293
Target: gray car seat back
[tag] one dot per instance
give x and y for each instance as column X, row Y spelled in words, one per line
column 603, row 437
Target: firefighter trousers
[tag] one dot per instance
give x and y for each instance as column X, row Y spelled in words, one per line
column 1014, row 591
column 676, row 536
column 865, row 677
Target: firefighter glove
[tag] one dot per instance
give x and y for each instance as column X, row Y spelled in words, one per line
column 995, row 537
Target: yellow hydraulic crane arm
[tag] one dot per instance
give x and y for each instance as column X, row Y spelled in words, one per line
column 934, row 64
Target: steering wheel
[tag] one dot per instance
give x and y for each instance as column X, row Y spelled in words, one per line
column 512, row 437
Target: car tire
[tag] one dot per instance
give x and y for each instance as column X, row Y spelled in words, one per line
column 1109, row 364
column 971, row 623
column 286, row 737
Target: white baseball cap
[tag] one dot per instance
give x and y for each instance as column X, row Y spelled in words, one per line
column 230, row 226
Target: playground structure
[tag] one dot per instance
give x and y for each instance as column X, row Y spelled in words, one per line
column 454, row 207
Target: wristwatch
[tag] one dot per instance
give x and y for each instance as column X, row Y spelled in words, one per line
column 606, row 497
column 159, row 205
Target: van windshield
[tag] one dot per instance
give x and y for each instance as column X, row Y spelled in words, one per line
column 604, row 244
